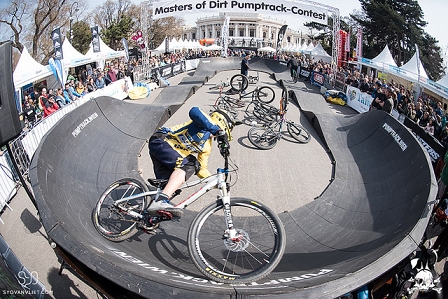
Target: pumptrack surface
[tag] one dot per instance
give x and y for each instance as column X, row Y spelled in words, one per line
column 372, row 214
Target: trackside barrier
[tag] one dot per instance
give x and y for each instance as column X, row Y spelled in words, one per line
column 25, row 145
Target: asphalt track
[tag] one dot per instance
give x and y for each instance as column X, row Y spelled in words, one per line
column 354, row 201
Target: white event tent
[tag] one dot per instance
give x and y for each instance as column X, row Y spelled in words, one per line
column 72, row 57
column 318, row 53
column 29, row 70
column 106, row 53
column 413, row 70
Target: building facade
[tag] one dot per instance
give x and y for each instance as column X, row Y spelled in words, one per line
column 249, row 30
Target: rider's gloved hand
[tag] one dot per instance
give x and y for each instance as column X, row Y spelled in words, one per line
column 223, row 142
column 221, row 136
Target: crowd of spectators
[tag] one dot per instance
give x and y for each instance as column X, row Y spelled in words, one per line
column 44, row 101
column 425, row 111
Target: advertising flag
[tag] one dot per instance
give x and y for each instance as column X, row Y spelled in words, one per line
column 225, row 36
column 126, row 48
column 95, row 39
column 359, row 43
column 57, row 43
column 281, row 34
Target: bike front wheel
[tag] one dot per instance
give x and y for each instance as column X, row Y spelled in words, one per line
column 298, row 132
column 116, row 218
column 239, row 82
column 252, row 255
column 265, row 94
column 262, row 137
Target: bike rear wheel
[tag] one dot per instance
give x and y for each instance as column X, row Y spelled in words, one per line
column 262, row 137
column 298, row 132
column 265, row 94
column 239, row 82
column 253, row 255
column 112, row 219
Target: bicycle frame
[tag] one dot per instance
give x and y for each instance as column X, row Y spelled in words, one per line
column 216, row 181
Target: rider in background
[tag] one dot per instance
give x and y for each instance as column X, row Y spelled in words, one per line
column 293, row 64
column 172, row 152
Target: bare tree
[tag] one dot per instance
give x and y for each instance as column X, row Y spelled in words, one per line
column 27, row 22
column 12, row 20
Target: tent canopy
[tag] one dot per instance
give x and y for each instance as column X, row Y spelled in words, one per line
column 318, row 53
column 414, row 69
column 105, row 52
column 384, row 58
column 29, row 70
column 266, row 49
column 443, row 81
column 72, row 57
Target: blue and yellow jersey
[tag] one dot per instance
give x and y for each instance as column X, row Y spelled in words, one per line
column 192, row 137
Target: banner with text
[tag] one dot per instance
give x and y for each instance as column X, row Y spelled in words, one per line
column 279, row 8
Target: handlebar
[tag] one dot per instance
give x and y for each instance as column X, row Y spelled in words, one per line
column 224, row 149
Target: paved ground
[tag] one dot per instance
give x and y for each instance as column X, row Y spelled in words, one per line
column 26, row 236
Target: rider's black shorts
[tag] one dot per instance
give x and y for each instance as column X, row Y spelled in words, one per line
column 165, row 159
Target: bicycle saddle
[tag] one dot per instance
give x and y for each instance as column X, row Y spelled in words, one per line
column 159, row 183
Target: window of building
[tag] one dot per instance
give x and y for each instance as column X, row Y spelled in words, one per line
column 252, row 32
column 242, row 32
column 264, row 34
column 231, row 32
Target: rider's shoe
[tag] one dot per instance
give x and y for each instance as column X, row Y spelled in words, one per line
column 163, row 204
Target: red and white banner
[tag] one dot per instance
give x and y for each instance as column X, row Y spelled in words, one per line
column 359, row 43
column 342, row 36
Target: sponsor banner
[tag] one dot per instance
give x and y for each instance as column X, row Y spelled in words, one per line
column 278, row 8
column 360, row 101
column 429, row 143
column 304, row 73
column 57, row 43
column 317, row 79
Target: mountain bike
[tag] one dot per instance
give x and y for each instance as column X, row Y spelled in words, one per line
column 264, row 94
column 224, row 102
column 266, row 137
column 233, row 240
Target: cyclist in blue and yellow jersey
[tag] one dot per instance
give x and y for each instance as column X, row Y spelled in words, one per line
column 172, row 152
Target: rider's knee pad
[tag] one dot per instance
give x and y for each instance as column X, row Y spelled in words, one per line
column 191, row 167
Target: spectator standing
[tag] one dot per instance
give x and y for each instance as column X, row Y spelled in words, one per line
column 245, row 65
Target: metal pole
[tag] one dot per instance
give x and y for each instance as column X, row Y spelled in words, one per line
column 70, row 36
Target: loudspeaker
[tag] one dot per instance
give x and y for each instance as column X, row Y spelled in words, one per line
column 10, row 126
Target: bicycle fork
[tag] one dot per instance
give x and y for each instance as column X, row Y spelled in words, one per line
column 230, row 233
